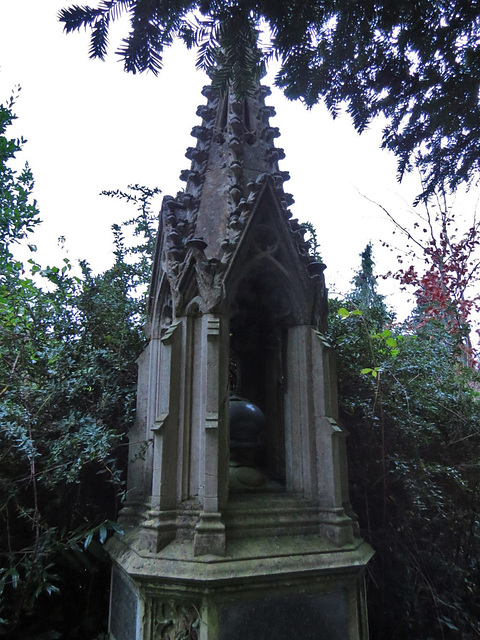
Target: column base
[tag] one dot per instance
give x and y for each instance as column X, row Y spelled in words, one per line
column 209, row 535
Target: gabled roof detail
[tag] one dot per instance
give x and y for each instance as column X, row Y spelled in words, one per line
column 235, row 156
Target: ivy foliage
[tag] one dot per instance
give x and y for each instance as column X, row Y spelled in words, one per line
column 417, row 63
column 412, row 408
column 68, row 345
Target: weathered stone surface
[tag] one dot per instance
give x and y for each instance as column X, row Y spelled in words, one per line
column 174, row 620
column 123, row 608
column 260, row 574
column 309, row 617
column 236, row 306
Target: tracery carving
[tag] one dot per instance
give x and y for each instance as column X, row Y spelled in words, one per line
column 173, row 620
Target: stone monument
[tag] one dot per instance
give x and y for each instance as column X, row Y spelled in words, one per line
column 237, row 518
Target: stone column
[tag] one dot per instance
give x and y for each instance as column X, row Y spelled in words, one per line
column 316, row 464
column 210, row 530
column 160, row 527
column 299, row 437
column 332, row 477
column 140, row 450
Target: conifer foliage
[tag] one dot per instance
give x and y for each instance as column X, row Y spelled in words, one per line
column 417, row 63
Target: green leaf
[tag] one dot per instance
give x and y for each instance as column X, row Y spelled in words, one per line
column 115, row 526
column 343, row 312
column 102, row 533
column 88, row 539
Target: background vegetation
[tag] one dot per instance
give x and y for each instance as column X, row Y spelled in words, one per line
column 410, row 400
column 68, row 345
column 409, row 397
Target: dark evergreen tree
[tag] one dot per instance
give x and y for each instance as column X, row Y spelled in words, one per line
column 418, row 63
column 365, row 292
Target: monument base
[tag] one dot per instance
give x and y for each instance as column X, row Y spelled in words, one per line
column 275, row 588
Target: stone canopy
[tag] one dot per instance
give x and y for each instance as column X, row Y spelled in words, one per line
column 237, row 308
column 234, row 184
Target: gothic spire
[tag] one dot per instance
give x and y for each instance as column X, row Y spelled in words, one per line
column 234, row 158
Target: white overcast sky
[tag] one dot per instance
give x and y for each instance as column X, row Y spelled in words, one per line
column 90, row 126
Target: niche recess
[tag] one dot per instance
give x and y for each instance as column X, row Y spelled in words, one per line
column 258, row 342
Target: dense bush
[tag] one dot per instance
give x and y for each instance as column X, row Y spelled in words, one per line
column 68, row 345
column 411, row 405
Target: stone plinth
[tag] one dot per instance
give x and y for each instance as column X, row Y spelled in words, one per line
column 270, row 588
